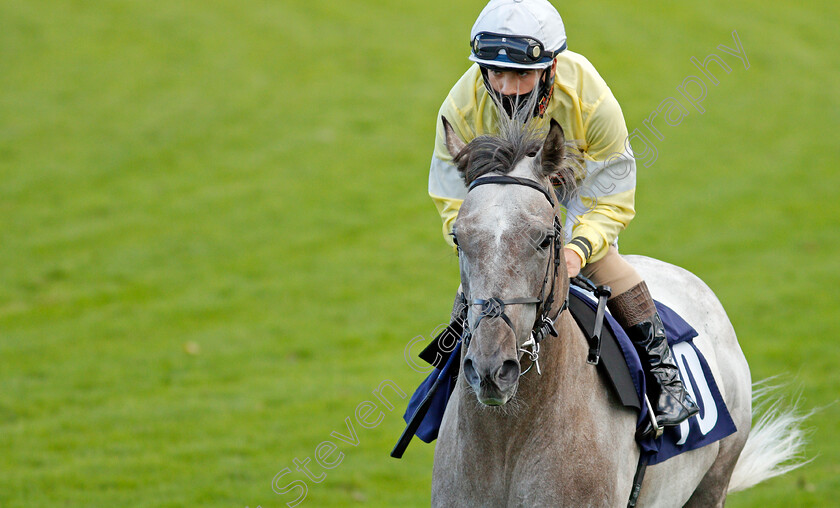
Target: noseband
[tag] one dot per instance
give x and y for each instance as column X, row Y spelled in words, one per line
column 494, row 307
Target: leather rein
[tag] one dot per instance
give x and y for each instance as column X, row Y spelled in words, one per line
column 494, row 307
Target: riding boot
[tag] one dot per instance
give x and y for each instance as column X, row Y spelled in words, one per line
column 635, row 311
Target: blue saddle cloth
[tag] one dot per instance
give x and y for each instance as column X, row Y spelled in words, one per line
column 711, row 424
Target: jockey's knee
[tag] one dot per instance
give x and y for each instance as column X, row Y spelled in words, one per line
column 614, row 271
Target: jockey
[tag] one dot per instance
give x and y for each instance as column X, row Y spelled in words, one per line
column 519, row 49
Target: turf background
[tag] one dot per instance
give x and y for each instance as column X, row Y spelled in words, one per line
column 216, row 240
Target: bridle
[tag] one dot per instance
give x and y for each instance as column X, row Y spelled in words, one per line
column 494, row 307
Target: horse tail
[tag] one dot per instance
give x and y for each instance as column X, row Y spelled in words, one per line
column 776, row 442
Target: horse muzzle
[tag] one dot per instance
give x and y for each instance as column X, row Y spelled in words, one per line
column 493, row 380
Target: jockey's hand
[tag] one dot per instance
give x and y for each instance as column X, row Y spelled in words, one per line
column 573, row 262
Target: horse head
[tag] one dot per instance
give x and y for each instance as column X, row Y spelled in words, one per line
column 509, row 240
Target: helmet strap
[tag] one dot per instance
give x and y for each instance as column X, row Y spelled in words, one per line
column 546, row 91
column 484, row 76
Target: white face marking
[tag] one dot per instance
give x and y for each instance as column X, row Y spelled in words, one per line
column 501, row 227
column 498, row 216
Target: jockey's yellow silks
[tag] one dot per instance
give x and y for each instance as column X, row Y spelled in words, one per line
column 585, row 107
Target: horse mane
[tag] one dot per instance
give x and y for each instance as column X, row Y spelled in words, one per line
column 519, row 137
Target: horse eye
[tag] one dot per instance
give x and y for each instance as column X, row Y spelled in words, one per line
column 546, row 243
column 454, row 239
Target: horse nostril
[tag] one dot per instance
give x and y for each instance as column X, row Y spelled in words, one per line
column 508, row 372
column 470, row 373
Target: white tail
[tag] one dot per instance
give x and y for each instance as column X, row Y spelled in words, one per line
column 776, row 441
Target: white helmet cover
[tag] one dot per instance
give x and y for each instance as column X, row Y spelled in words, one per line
column 537, row 19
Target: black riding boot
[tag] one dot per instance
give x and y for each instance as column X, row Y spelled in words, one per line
column 636, row 312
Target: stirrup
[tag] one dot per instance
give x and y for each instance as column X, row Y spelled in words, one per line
column 652, row 429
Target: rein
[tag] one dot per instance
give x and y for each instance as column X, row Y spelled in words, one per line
column 494, row 307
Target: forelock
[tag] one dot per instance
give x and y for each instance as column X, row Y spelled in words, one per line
column 499, row 153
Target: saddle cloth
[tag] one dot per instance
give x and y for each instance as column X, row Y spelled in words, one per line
column 627, row 380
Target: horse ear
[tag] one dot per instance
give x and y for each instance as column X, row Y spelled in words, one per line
column 554, row 149
column 453, row 142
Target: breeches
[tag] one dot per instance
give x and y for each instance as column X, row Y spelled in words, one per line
column 613, row 271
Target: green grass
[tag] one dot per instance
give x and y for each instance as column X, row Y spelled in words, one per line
column 216, row 240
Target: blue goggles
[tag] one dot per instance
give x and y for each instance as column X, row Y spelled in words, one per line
column 518, row 49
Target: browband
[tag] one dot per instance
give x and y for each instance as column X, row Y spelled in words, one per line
column 506, row 179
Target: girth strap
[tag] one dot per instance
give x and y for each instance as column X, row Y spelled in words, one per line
column 602, row 293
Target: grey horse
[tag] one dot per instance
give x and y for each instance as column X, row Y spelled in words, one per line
column 560, row 438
